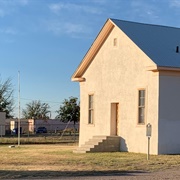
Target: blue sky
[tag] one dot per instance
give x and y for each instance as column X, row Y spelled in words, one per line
column 46, row 40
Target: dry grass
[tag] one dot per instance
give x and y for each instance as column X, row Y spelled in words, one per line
column 50, row 161
column 39, row 139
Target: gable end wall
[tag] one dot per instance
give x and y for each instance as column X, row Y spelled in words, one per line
column 114, row 76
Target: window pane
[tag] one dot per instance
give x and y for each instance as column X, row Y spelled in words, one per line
column 90, row 113
column 142, row 101
column 142, row 93
column 90, row 101
column 90, row 97
column 90, row 116
column 141, row 107
column 141, row 115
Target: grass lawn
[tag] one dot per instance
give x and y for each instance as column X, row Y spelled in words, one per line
column 50, row 161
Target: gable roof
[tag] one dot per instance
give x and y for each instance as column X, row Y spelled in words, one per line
column 159, row 43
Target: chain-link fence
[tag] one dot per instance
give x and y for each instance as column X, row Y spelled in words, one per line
column 39, row 131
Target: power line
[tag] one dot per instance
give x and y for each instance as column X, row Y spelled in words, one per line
column 26, row 99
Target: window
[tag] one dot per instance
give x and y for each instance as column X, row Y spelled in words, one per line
column 115, row 42
column 141, row 107
column 91, row 113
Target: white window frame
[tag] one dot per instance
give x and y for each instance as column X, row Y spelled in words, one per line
column 141, row 106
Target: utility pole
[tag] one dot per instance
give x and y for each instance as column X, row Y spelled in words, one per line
column 19, row 121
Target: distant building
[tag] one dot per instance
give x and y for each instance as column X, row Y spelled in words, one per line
column 55, row 124
column 30, row 125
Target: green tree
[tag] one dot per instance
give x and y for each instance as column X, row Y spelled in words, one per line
column 36, row 110
column 69, row 111
column 6, row 98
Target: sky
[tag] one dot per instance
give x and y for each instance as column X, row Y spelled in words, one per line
column 45, row 40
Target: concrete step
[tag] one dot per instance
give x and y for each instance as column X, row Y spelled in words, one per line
column 100, row 144
column 88, row 145
column 100, row 137
column 93, row 142
column 80, row 151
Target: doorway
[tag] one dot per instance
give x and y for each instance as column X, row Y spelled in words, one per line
column 115, row 125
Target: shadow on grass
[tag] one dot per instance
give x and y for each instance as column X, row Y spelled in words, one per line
column 8, row 174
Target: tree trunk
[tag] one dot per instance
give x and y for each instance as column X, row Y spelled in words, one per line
column 74, row 131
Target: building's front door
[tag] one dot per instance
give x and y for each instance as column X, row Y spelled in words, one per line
column 115, row 129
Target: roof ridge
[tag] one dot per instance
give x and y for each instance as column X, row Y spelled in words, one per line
column 142, row 23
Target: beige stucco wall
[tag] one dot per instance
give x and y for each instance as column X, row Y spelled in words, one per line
column 169, row 113
column 114, row 76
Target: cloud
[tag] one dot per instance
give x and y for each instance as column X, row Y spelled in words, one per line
column 58, row 7
column 8, row 31
column 2, row 13
column 174, row 3
column 10, row 6
column 14, row 2
column 68, row 28
column 55, row 8
column 7, row 35
column 9, row 41
column 73, row 28
column 73, row 17
column 65, row 28
column 98, row 1
column 23, row 2
column 144, row 9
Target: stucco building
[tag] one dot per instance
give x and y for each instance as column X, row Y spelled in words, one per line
column 30, row 125
column 130, row 77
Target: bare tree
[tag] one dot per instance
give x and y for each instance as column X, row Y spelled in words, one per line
column 36, row 110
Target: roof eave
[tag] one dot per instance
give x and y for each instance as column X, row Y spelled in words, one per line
column 81, row 79
column 93, row 50
column 162, row 68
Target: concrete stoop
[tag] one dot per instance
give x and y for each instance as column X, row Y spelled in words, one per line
column 100, row 144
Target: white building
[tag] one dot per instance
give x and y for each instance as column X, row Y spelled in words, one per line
column 131, row 77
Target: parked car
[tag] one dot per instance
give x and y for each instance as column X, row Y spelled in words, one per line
column 41, row 130
column 15, row 131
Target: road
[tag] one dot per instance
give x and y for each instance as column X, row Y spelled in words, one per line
column 171, row 174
